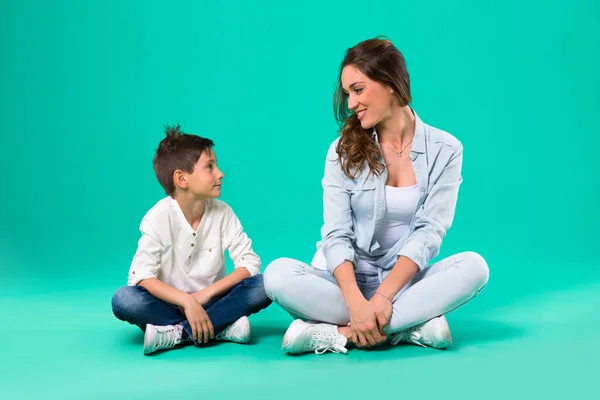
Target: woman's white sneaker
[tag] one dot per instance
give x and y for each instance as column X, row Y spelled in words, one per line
column 433, row 333
column 303, row 337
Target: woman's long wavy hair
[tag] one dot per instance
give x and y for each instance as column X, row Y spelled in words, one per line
column 381, row 61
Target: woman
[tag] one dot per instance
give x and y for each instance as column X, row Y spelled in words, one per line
column 390, row 189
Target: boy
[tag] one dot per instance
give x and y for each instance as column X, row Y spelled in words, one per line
column 177, row 289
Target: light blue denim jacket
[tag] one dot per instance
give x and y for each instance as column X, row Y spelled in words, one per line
column 354, row 208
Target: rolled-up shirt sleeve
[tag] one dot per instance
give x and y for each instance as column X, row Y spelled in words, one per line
column 239, row 244
column 337, row 234
column 146, row 261
column 435, row 216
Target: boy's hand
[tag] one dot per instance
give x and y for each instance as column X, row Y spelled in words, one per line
column 203, row 296
column 202, row 328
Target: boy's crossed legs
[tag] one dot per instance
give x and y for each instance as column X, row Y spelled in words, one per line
column 167, row 326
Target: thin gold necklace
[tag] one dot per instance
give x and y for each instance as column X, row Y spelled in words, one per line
column 398, row 153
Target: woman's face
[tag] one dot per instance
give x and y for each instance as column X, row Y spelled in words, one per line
column 371, row 101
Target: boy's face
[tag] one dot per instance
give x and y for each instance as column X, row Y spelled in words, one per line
column 205, row 180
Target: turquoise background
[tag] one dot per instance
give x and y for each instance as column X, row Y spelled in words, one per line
column 86, row 87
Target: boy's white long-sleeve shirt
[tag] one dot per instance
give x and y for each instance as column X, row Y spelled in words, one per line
column 188, row 259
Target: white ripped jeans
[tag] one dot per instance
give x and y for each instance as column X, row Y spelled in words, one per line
column 313, row 294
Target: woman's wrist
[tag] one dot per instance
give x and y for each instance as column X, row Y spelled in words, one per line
column 384, row 296
column 353, row 298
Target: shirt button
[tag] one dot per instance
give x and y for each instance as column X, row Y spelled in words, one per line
column 194, row 234
column 192, row 244
column 132, row 272
column 209, row 250
column 422, row 189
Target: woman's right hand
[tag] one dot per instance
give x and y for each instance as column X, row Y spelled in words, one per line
column 202, row 328
column 363, row 322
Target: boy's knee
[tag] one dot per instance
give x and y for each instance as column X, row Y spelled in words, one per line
column 257, row 297
column 124, row 300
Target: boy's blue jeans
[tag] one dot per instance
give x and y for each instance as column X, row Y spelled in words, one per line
column 134, row 304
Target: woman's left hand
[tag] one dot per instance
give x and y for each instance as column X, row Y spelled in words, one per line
column 382, row 306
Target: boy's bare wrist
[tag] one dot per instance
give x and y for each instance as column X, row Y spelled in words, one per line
column 187, row 300
column 211, row 291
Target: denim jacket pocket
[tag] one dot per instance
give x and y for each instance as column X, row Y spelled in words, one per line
column 362, row 199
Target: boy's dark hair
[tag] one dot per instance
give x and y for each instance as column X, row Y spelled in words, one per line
column 177, row 151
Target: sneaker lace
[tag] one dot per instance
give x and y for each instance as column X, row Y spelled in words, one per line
column 323, row 342
column 417, row 338
column 224, row 333
column 167, row 337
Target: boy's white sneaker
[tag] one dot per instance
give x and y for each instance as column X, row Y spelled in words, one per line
column 161, row 337
column 238, row 332
column 302, row 337
column 433, row 333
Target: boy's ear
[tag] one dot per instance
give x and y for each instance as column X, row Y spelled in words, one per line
column 179, row 179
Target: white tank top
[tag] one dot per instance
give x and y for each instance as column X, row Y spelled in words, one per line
column 401, row 204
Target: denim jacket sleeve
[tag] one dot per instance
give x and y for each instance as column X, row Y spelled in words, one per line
column 435, row 216
column 337, row 234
